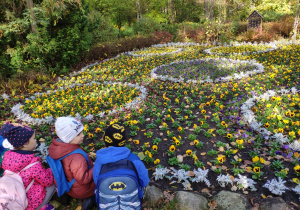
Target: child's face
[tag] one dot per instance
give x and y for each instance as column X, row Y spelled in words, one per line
column 78, row 139
column 31, row 144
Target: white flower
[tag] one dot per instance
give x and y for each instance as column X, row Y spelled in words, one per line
column 180, row 174
column 89, row 117
column 244, row 182
column 280, row 138
column 160, row 173
column 77, row 116
column 43, row 149
column 276, row 187
column 5, row 96
column 200, row 176
column 223, row 180
column 297, row 190
column 295, row 145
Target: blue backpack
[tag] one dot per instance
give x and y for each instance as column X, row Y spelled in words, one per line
column 63, row 186
column 118, row 186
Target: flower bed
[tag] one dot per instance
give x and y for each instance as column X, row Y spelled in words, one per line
column 241, row 49
column 154, row 51
column 206, row 70
column 275, row 116
column 81, row 100
column 193, row 135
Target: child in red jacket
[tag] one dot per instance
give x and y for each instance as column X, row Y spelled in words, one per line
column 22, row 139
column 69, row 137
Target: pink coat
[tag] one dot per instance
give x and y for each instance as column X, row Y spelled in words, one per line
column 16, row 161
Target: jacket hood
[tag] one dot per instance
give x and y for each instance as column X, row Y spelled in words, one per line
column 58, row 149
column 112, row 154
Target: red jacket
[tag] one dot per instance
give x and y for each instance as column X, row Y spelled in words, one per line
column 75, row 166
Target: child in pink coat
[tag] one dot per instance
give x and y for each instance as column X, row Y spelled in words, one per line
column 22, row 139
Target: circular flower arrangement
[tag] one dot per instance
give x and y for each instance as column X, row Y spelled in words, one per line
column 206, row 70
column 241, row 49
column 177, row 44
column 275, row 116
column 80, row 100
column 153, row 51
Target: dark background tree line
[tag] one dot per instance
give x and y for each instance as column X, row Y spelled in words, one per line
column 47, row 37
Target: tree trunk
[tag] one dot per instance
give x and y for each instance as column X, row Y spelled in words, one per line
column 296, row 22
column 138, row 9
column 206, row 12
column 32, row 16
column 211, row 10
column 295, row 28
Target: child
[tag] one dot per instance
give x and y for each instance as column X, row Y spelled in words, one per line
column 22, row 138
column 69, row 137
column 115, row 140
column 4, row 146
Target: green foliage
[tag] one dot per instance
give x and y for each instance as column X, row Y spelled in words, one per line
column 60, row 38
column 146, row 25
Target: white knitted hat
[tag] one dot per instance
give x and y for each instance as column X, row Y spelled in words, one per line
column 67, row 128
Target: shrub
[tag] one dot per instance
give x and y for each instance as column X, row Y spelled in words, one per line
column 284, row 27
column 163, row 36
column 111, row 49
column 146, row 25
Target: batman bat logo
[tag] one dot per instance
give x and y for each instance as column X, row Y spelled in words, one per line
column 117, row 186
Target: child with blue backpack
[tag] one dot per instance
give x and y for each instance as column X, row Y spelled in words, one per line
column 75, row 164
column 119, row 175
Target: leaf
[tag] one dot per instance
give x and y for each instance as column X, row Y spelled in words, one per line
column 236, row 158
column 203, row 153
column 263, row 196
column 247, row 162
column 233, row 188
column 296, row 180
column 267, row 163
column 55, row 204
column 209, row 163
column 141, row 155
column 78, row 208
column 192, row 143
column 213, row 205
column 93, row 154
column 191, row 173
column 249, row 169
column 41, row 140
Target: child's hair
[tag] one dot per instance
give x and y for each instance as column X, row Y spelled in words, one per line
column 115, row 135
column 16, row 135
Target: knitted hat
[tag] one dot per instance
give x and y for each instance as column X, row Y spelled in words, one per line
column 17, row 135
column 115, row 135
column 67, row 128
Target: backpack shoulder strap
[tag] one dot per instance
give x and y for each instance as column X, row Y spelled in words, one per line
column 25, row 168
column 28, row 166
column 78, row 151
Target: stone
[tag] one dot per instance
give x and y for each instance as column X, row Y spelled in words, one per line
column 228, row 200
column 190, row 201
column 275, row 203
column 152, row 195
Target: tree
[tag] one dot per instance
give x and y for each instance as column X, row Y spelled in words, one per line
column 296, row 22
